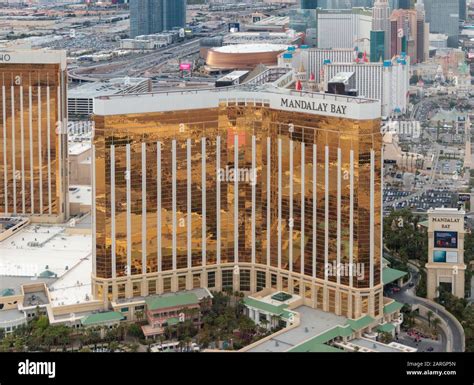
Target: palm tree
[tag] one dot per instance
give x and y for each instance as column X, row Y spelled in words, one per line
column 429, row 314
column 409, row 318
column 121, row 331
column 274, row 320
column 168, row 332
column 435, row 323
column 264, row 323
column 161, row 337
column 113, row 346
column 187, row 341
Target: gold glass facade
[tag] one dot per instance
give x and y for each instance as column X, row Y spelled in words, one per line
column 167, row 205
column 33, row 142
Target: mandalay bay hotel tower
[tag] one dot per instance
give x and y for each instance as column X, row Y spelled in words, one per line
column 240, row 188
column 33, row 143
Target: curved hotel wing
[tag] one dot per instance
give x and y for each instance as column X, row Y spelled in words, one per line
column 243, row 189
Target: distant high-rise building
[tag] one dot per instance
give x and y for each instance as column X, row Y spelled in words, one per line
column 309, row 4
column 408, row 34
column 377, row 46
column 422, row 32
column 462, row 10
column 346, row 4
column 443, row 16
column 304, row 20
column 146, row 17
column 381, row 22
column 404, row 4
column 174, row 14
column 152, row 16
column 387, row 81
column 344, row 28
column 313, row 59
column 33, row 135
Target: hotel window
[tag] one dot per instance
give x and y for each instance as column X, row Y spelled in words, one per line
column 152, row 287
column 121, row 290
column 196, row 280
column 261, row 280
column 319, row 297
column 227, row 279
column 140, row 308
column 332, row 300
column 100, row 291
column 284, row 283
column 167, row 284
column 344, row 304
column 109, row 293
column 245, row 280
column 365, row 304
column 137, row 289
column 296, row 287
column 124, row 310
column 182, row 282
column 211, row 279
column 307, row 291
column 377, row 304
column 274, row 281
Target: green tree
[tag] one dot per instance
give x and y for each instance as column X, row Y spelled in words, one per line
column 435, row 323
column 385, row 337
column 404, row 237
column 135, row 330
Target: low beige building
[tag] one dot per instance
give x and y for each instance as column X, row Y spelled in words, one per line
column 80, row 163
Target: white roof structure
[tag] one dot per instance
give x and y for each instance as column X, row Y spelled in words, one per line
column 287, row 38
column 74, row 286
column 103, row 88
column 76, row 148
column 37, row 249
column 251, row 48
column 80, row 194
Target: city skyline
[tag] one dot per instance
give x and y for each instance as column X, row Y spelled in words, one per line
column 237, row 176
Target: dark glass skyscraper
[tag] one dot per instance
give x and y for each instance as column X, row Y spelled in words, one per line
column 309, row 4
column 152, row 16
column 404, row 4
column 462, row 9
column 443, row 16
column 377, row 46
column 174, row 14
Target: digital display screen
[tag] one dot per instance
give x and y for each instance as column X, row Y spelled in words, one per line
column 446, row 239
column 439, row 256
column 452, row 257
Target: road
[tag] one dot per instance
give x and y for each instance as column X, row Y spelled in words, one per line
column 407, row 295
column 135, row 66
